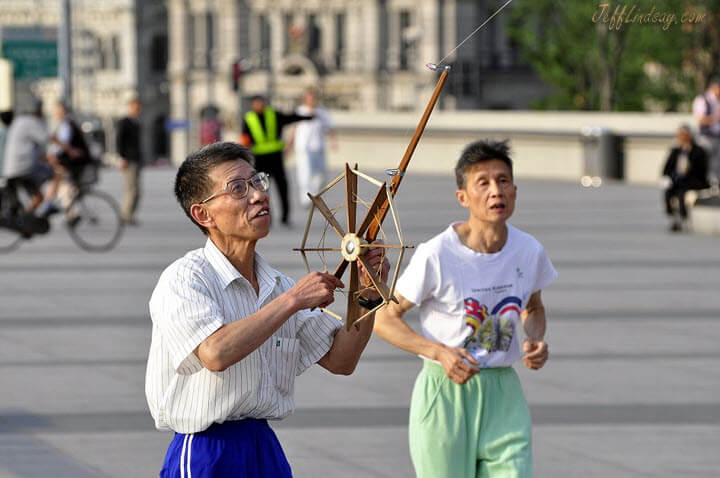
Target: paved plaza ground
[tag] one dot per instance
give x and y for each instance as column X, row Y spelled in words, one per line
column 632, row 387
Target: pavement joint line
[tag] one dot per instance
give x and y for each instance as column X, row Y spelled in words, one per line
column 556, row 356
column 15, row 421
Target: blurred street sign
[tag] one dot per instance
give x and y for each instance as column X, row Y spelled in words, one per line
column 171, row 125
column 32, row 51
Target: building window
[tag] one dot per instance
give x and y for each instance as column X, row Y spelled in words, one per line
column 287, row 27
column 210, row 39
column 265, row 35
column 102, row 63
column 339, row 40
column 201, row 31
column 115, row 53
column 159, row 53
column 405, row 43
column 314, row 39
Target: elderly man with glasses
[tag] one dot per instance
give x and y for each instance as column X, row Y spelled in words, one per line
column 230, row 333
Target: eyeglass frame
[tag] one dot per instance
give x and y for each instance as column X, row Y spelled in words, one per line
column 247, row 181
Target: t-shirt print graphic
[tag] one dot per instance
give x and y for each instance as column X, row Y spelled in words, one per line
column 490, row 331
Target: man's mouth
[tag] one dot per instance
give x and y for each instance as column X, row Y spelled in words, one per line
column 497, row 207
column 263, row 212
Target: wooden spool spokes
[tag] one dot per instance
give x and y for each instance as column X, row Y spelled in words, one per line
column 353, row 240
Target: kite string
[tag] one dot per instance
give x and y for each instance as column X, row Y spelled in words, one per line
column 474, row 32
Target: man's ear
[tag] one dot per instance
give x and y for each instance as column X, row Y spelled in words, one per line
column 201, row 216
column 462, row 197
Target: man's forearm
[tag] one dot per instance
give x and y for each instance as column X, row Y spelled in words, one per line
column 233, row 342
column 534, row 324
column 347, row 347
column 392, row 328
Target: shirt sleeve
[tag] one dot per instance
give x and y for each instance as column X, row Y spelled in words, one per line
column 39, row 134
column 546, row 273
column 325, row 120
column 699, row 107
column 419, row 280
column 186, row 314
column 316, row 332
column 285, row 119
column 64, row 132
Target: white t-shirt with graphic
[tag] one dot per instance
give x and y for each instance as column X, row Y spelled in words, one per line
column 473, row 300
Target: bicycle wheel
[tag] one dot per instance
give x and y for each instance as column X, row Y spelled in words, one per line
column 93, row 220
column 9, row 239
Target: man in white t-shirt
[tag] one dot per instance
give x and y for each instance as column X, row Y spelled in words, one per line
column 476, row 284
column 310, row 145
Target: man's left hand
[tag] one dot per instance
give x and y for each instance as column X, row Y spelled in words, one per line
column 536, row 354
column 375, row 256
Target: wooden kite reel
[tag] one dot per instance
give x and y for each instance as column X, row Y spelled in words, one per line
column 353, row 243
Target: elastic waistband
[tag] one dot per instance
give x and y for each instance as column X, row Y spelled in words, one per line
column 246, row 425
column 433, row 368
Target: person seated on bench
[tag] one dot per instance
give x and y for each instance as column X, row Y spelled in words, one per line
column 687, row 169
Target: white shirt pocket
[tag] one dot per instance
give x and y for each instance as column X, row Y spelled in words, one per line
column 283, row 362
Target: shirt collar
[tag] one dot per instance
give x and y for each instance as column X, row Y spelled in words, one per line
column 227, row 273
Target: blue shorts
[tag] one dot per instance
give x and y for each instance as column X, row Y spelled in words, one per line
column 243, row 448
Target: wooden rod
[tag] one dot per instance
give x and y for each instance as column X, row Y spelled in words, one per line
column 374, row 227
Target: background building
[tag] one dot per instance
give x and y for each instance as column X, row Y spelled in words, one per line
column 119, row 50
column 365, row 55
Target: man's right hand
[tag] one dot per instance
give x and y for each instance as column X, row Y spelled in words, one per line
column 123, row 164
column 317, row 289
column 458, row 363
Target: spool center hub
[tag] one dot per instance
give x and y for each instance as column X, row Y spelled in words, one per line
column 350, row 247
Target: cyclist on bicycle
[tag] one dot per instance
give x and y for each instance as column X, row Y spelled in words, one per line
column 64, row 164
column 24, row 162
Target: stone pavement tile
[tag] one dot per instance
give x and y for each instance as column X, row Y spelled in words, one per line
column 627, row 451
column 112, row 454
column 357, row 452
column 28, row 456
column 622, row 381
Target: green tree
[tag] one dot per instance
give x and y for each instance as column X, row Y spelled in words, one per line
column 595, row 63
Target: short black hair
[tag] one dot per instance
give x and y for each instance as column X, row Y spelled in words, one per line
column 478, row 152
column 715, row 80
column 193, row 183
column 258, row 97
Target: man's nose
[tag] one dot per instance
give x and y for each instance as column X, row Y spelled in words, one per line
column 495, row 188
column 257, row 196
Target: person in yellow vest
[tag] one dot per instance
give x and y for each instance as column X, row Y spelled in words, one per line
column 262, row 133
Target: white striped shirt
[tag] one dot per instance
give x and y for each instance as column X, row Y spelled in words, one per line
column 194, row 297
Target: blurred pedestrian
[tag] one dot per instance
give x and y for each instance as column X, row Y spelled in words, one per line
column 310, row 145
column 130, row 164
column 706, row 109
column 476, row 285
column 262, row 132
column 230, row 333
column 64, row 164
column 687, row 169
column 210, row 125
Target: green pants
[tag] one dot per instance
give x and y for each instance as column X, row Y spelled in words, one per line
column 480, row 429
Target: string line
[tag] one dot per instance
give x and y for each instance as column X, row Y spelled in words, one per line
column 474, row 32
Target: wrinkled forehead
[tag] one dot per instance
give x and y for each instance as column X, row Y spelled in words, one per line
column 490, row 168
column 229, row 170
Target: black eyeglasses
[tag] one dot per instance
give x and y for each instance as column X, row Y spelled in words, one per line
column 238, row 188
